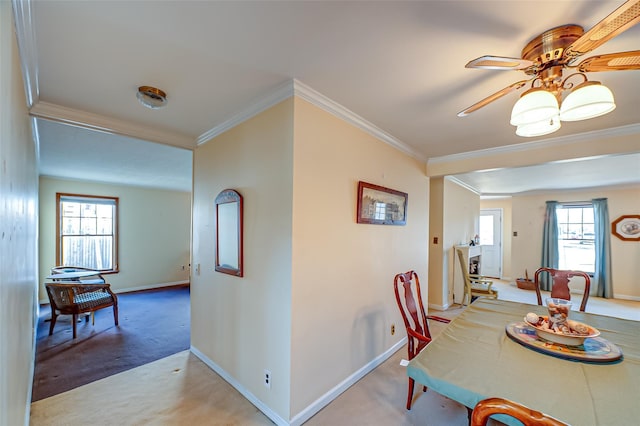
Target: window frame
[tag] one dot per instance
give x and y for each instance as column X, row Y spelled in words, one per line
column 582, row 240
column 60, row 197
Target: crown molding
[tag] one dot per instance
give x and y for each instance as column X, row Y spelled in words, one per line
column 104, row 124
column 462, row 184
column 274, row 97
column 296, row 88
column 631, row 129
column 310, row 95
column 26, row 38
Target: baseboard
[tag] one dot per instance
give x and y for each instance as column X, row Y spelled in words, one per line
column 318, row 404
column 625, row 297
column 243, row 391
column 325, row 399
column 150, row 287
column 439, row 307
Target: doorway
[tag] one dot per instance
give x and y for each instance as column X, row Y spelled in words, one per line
column 491, row 242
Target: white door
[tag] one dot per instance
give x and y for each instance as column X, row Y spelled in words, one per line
column 491, row 242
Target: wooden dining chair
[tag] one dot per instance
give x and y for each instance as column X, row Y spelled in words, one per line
column 490, row 406
column 415, row 319
column 474, row 285
column 560, row 284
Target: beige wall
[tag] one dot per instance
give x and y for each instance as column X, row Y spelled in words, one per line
column 243, row 325
column 18, row 234
column 315, row 306
column 154, row 233
column 438, row 288
column 528, row 219
column 342, row 296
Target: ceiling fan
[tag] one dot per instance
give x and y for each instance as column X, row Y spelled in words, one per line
column 546, row 57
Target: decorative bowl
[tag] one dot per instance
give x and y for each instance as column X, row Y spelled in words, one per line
column 564, row 338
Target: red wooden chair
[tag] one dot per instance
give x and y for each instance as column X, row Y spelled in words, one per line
column 560, row 284
column 490, row 406
column 418, row 335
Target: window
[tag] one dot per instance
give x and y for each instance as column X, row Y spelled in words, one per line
column 87, row 232
column 486, row 229
column 576, row 237
column 380, row 211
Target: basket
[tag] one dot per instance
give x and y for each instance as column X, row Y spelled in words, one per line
column 525, row 284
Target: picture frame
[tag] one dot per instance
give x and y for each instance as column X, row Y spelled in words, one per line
column 378, row 205
column 627, row 227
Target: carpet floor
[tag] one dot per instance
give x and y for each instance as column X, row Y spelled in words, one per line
column 153, row 325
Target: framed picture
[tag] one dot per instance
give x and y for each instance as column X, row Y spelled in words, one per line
column 627, row 227
column 381, row 206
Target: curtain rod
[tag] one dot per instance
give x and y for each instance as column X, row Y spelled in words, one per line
column 574, row 203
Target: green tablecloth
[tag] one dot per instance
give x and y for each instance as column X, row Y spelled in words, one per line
column 473, row 359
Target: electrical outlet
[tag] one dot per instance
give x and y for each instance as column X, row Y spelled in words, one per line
column 393, row 329
column 267, row 379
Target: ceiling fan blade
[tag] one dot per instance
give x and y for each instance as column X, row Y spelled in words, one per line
column 621, row 61
column 495, row 96
column 499, row 63
column 620, row 20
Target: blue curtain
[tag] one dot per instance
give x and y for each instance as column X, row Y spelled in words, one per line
column 601, row 285
column 550, row 255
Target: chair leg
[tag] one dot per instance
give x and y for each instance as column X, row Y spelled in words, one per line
column 75, row 321
column 52, row 324
column 410, row 393
column 115, row 313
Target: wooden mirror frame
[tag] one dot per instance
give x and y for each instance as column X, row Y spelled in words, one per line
column 229, row 223
column 627, row 227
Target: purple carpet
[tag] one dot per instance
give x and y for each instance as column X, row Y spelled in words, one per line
column 153, row 325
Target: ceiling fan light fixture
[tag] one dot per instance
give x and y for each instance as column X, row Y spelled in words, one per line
column 588, row 100
column 534, row 106
column 151, row 97
column 540, row 128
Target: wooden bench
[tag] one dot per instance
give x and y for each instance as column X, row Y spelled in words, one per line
column 78, row 298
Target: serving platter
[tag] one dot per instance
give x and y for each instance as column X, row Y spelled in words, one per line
column 593, row 349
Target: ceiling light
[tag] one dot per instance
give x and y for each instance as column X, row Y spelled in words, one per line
column 536, row 113
column 535, row 105
column 588, row 100
column 151, row 97
column 539, row 128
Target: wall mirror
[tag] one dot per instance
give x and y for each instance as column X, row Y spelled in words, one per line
column 229, row 232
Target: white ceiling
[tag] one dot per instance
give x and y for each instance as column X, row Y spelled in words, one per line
column 397, row 65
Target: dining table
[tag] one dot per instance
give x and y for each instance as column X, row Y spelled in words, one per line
column 476, row 358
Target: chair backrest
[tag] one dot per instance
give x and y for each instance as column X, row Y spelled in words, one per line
column 490, row 406
column 560, row 284
column 60, row 295
column 464, row 267
column 412, row 310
